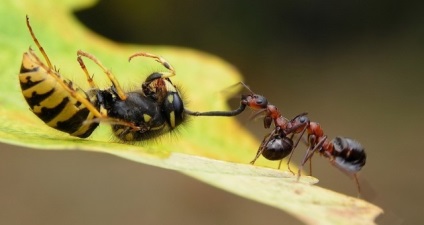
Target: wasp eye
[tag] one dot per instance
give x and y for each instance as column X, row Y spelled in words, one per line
column 173, row 109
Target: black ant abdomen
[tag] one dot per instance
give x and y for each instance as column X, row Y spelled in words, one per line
column 348, row 154
column 278, row 148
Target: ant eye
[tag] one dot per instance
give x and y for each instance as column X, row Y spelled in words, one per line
column 260, row 100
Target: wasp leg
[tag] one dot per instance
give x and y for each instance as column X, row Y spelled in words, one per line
column 159, row 60
column 115, row 83
column 68, row 87
column 40, row 48
column 114, row 121
column 84, row 68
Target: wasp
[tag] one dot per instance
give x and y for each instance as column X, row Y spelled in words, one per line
column 145, row 113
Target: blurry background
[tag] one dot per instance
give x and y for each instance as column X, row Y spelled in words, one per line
column 356, row 67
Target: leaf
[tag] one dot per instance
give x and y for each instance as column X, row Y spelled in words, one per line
column 214, row 150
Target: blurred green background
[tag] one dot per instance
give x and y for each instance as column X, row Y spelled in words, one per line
column 355, row 66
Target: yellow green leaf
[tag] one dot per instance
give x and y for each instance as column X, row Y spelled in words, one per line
column 213, row 150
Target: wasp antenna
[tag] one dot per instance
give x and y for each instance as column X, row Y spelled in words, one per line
column 217, row 113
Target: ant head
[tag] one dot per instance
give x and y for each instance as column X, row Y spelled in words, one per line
column 254, row 101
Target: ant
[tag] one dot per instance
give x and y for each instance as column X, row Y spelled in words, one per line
column 276, row 145
column 344, row 153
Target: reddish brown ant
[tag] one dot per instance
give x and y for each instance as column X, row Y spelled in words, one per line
column 275, row 145
column 346, row 154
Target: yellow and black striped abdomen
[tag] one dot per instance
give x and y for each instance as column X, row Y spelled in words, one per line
column 48, row 98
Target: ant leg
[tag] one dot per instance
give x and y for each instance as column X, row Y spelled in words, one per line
column 279, row 166
column 159, row 60
column 260, row 150
column 309, row 153
column 358, row 187
column 310, row 166
column 355, row 176
column 293, row 131
column 40, row 48
column 288, row 161
column 262, row 147
column 294, row 147
column 119, row 91
column 68, row 87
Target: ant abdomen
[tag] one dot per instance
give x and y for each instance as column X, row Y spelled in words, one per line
column 278, row 148
column 348, row 154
